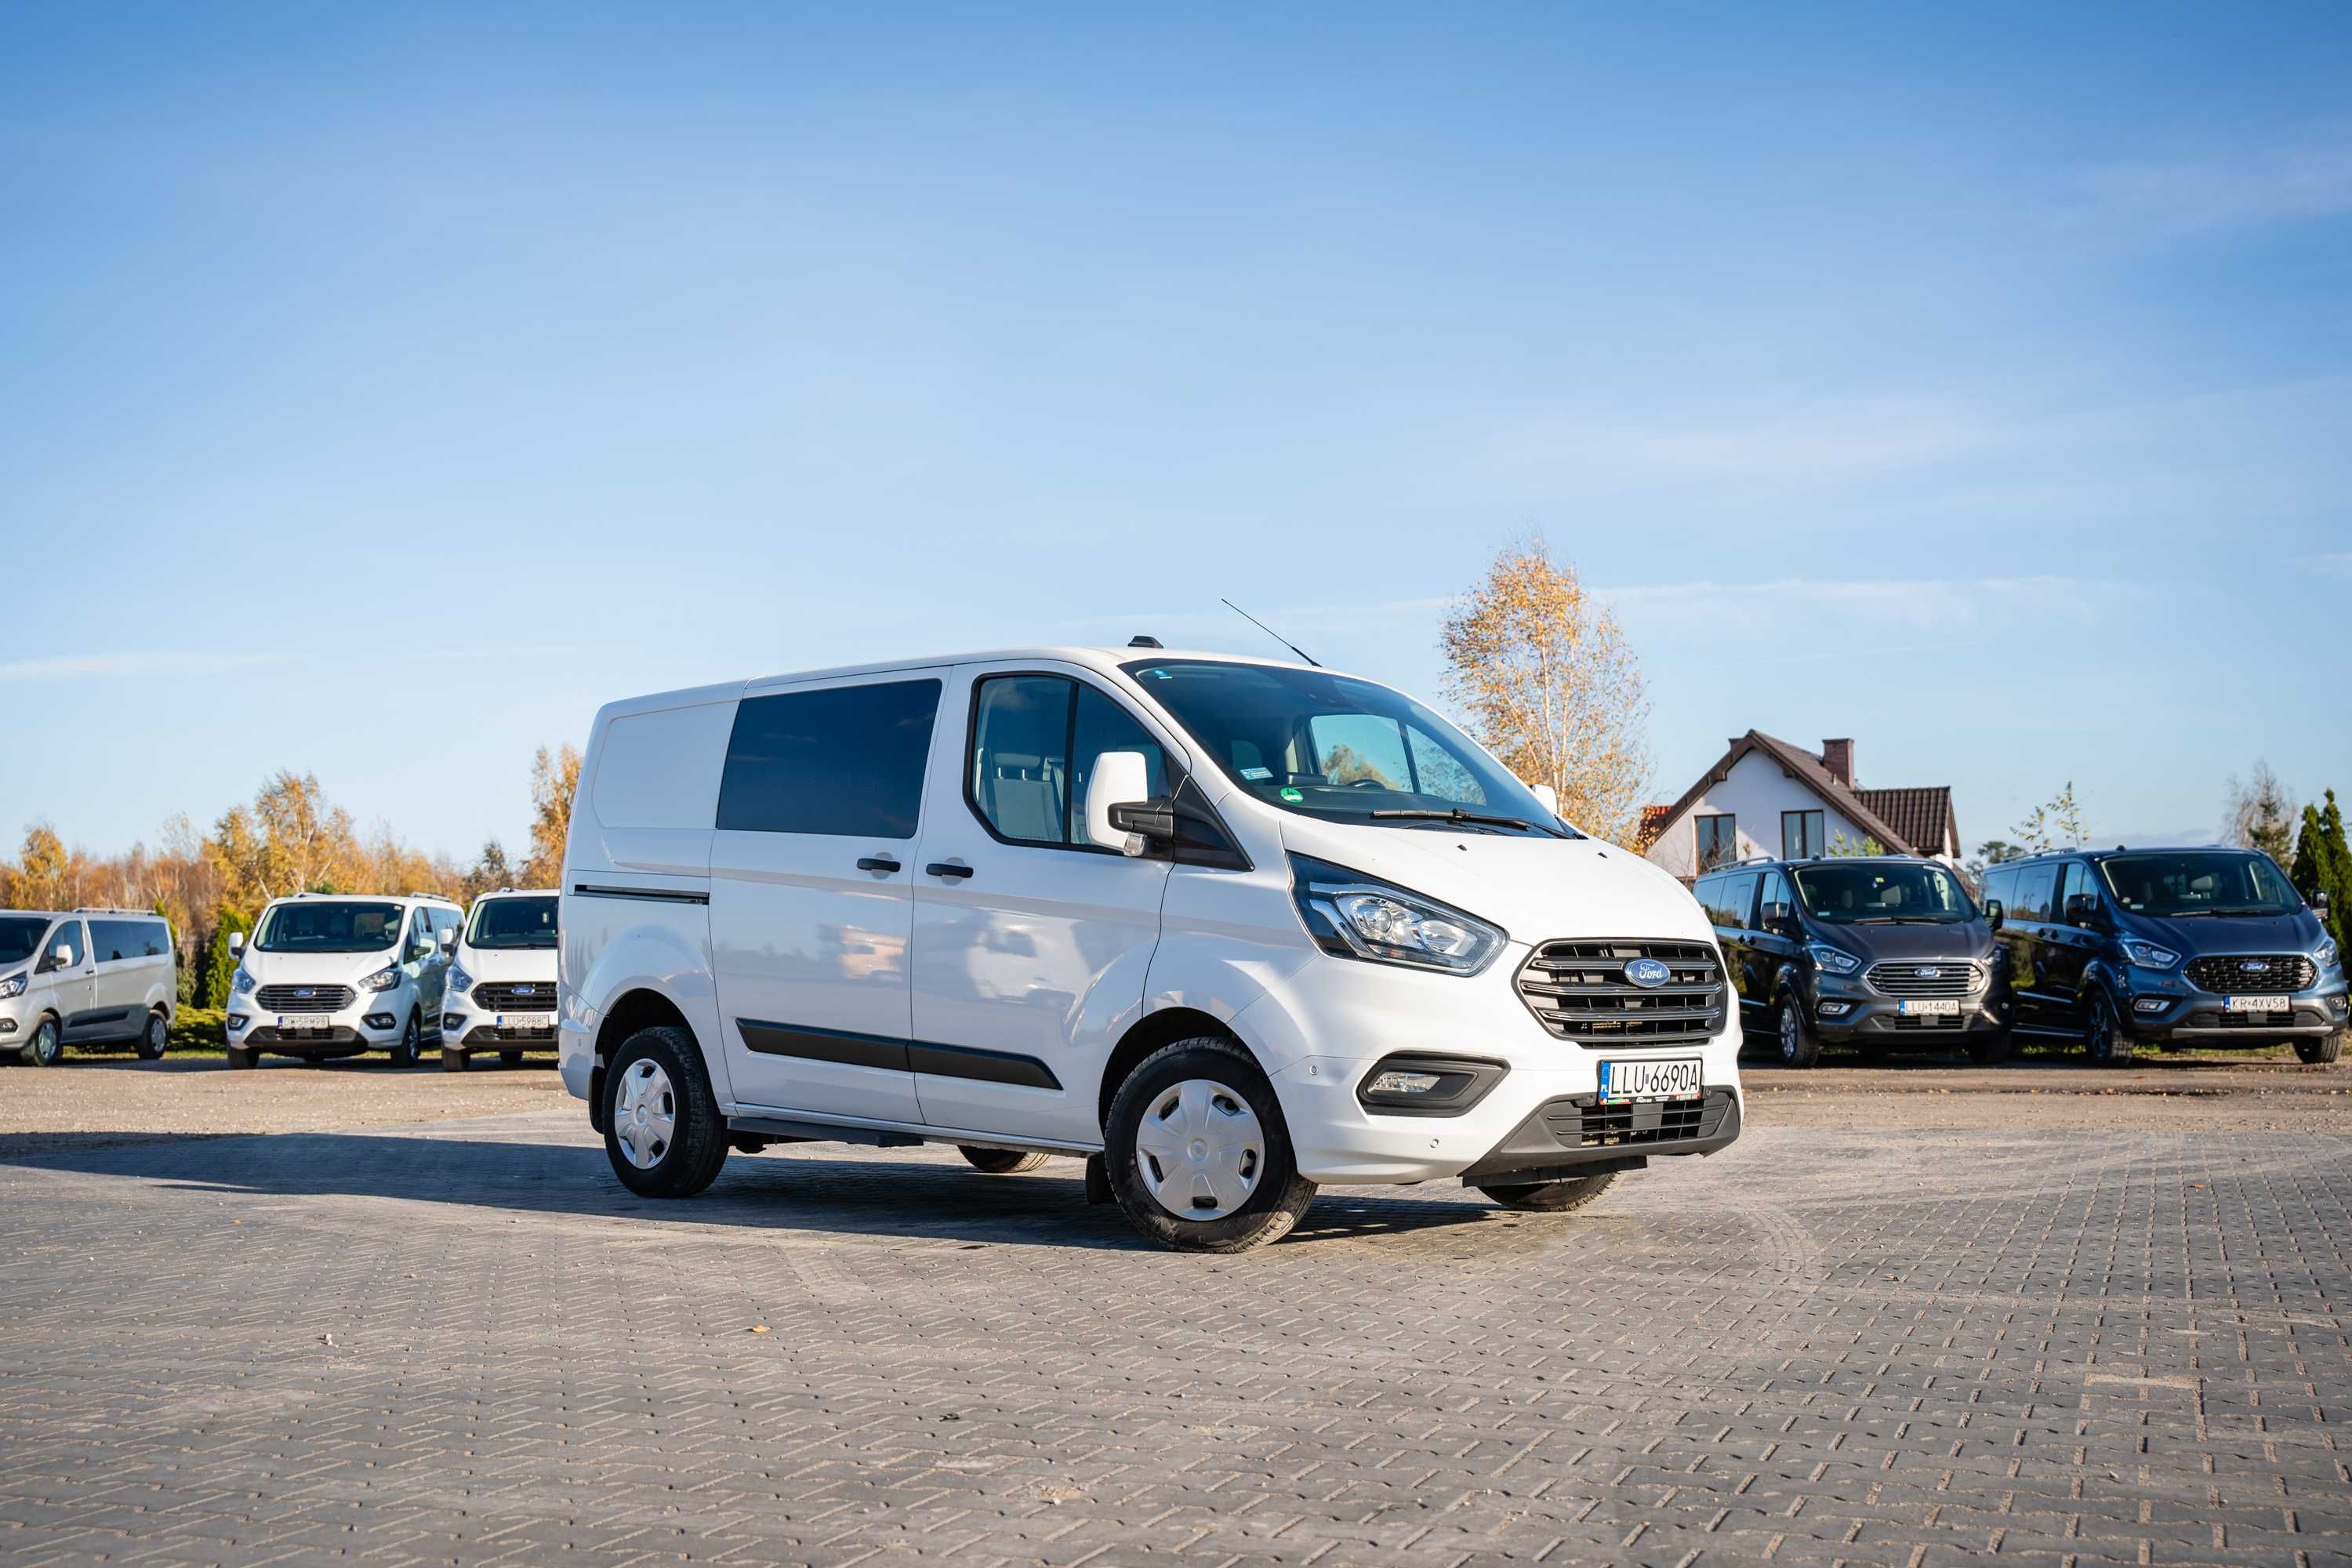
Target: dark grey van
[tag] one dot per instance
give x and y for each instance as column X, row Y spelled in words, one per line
column 2203, row 947
column 1879, row 952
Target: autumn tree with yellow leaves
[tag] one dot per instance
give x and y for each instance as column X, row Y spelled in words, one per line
column 1541, row 671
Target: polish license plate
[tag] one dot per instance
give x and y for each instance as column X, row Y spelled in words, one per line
column 306, row 1020
column 1929, row 1007
column 1681, row 1079
column 526, row 1021
column 2257, row 1005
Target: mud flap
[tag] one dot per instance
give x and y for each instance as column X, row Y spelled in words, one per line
column 1098, row 1181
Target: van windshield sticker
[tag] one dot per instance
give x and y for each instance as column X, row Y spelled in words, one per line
column 1255, row 773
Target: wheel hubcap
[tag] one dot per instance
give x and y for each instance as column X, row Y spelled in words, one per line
column 1200, row 1150
column 45, row 1043
column 645, row 1114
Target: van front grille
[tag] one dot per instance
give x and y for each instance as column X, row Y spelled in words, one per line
column 516, row 997
column 1582, row 1122
column 1582, row 991
column 303, row 998
column 2281, row 973
column 1927, row 977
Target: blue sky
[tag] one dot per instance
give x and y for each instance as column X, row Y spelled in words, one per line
column 380, row 392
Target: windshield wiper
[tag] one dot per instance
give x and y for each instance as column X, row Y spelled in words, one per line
column 1407, row 813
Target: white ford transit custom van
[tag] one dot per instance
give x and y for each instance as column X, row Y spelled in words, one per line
column 1230, row 928
column 330, row 975
column 501, row 995
column 89, row 978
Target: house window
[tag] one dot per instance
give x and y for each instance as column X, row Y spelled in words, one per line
column 1718, row 840
column 1801, row 835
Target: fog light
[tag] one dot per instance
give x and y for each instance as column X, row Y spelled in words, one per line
column 2151, row 1004
column 378, row 1020
column 238, row 1020
column 1835, row 1009
column 2340, row 1006
column 1404, row 1083
column 452, row 1023
column 7, row 1026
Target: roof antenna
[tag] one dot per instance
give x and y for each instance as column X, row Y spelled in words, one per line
column 1269, row 631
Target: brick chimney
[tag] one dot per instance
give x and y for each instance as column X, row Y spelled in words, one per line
column 1837, row 756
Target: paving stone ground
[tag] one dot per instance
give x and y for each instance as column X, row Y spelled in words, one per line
column 462, row 1342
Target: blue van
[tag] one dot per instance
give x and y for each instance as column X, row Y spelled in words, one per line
column 2200, row 947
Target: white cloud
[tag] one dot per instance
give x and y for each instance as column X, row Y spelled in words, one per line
column 63, row 666
column 2309, row 179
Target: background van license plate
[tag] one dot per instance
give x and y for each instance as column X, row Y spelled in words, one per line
column 1677, row 1080
column 2257, row 1005
column 1944, row 1007
column 305, row 1020
column 526, row 1021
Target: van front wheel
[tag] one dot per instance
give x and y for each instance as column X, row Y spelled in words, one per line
column 1551, row 1197
column 403, row 1054
column 2322, row 1050
column 1002, row 1161
column 46, row 1046
column 1197, row 1153
column 1799, row 1046
column 663, row 1131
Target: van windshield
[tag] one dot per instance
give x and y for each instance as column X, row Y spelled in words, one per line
column 2185, row 882
column 513, row 923
column 1873, row 892
column 20, row 937
column 324, row 926
column 1328, row 746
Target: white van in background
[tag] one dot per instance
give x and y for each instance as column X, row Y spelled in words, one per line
column 501, row 988
column 330, row 975
column 1229, row 928
column 94, row 977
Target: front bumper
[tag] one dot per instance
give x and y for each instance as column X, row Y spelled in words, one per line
column 1579, row 1136
column 1322, row 1029
column 2179, row 1015
column 1867, row 1018
column 371, row 1022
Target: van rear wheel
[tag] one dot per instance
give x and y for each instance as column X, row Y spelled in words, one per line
column 663, row 1131
column 1197, row 1153
column 1002, row 1161
column 155, row 1037
column 1550, row 1197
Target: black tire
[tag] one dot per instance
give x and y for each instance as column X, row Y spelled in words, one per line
column 240, row 1060
column 1793, row 1041
column 403, row 1054
column 155, row 1037
column 2316, row 1052
column 512, row 1059
column 45, row 1046
column 687, row 1161
column 452, row 1059
column 1550, row 1197
column 2103, row 1037
column 1002, row 1161
column 1278, row 1193
column 1988, row 1048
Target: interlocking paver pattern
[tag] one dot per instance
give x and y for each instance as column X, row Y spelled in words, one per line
column 465, row 1342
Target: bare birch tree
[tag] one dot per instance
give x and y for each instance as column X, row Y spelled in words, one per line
column 1542, row 672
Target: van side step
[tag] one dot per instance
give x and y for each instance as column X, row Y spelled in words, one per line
column 822, row 1132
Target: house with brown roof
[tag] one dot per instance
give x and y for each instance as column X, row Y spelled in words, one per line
column 1767, row 796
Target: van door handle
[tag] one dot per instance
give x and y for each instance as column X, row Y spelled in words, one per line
column 877, row 863
column 948, row 869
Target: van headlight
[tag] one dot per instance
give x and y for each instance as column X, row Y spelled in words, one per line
column 460, row 981
column 2148, row 954
column 2324, row 955
column 12, row 986
column 383, row 979
column 243, row 981
column 1351, row 915
column 1837, row 959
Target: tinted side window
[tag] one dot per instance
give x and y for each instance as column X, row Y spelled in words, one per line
column 111, row 942
column 2077, row 879
column 2001, row 882
column 1704, row 891
column 2033, row 886
column 845, row 760
column 67, row 935
column 1739, row 899
column 1775, row 891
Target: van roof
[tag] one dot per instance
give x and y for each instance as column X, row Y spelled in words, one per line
column 1105, row 660
column 2109, row 853
column 365, row 898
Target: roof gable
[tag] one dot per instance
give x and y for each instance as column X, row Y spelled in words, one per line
column 1807, row 769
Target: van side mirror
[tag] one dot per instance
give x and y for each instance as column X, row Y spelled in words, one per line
column 2319, row 905
column 448, row 940
column 1779, row 920
column 1993, row 913
column 236, row 942
column 60, row 957
column 1121, row 784
column 1546, row 796
column 2081, row 908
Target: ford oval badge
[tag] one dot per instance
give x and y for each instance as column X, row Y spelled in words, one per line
column 2254, row 967
column 1928, row 974
column 1649, row 973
